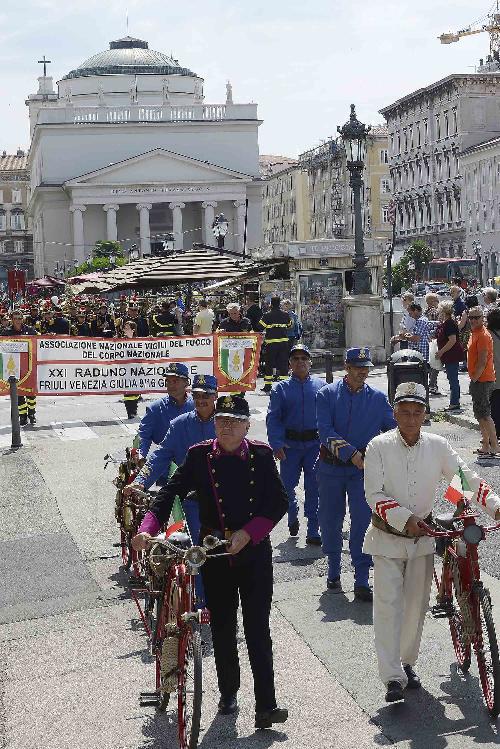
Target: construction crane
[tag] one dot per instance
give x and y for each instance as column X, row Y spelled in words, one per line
column 492, row 27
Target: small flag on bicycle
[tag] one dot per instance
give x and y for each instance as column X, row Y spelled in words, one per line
column 458, row 489
column 178, row 517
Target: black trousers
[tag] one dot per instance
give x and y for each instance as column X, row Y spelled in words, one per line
column 225, row 580
column 276, row 359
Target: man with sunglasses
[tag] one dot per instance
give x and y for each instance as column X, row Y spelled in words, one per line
column 241, row 498
column 481, row 367
column 292, row 431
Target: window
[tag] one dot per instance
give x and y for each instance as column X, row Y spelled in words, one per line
column 455, row 121
column 1, row 196
column 3, row 247
column 18, row 246
column 16, row 196
column 446, row 124
column 426, row 131
column 2, row 222
column 438, row 128
column 419, row 134
column 385, row 185
column 385, row 214
column 384, row 156
column 17, row 221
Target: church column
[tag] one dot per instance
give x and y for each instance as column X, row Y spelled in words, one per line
column 111, row 230
column 144, row 230
column 241, row 208
column 176, row 209
column 78, row 234
column 209, row 207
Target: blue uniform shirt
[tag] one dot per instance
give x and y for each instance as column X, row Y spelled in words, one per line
column 292, row 406
column 351, row 419
column 185, row 431
column 156, row 421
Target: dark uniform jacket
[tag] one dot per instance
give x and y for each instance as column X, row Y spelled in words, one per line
column 276, row 325
column 25, row 330
column 232, row 490
column 163, row 323
column 235, row 326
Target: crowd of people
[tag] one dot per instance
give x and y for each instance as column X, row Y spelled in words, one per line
column 454, row 335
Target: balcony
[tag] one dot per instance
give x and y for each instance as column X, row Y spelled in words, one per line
column 136, row 113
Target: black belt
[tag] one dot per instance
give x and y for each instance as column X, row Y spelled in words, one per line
column 306, row 436
column 382, row 525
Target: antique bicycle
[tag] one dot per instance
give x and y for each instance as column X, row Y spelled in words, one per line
column 466, row 602
column 169, row 568
column 129, row 510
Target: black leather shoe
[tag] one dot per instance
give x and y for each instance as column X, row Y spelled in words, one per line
column 413, row 680
column 228, row 705
column 266, row 718
column 313, row 540
column 293, row 528
column 334, row 585
column 394, row 692
column 23, row 420
column 363, row 593
column 32, row 419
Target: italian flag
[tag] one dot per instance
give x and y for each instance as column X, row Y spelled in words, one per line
column 235, row 361
column 177, row 516
column 458, row 489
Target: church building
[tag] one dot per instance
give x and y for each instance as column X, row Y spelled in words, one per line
column 127, row 149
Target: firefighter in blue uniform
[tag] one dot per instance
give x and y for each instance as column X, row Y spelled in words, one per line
column 184, row 432
column 241, row 498
column 350, row 413
column 292, row 432
column 156, row 421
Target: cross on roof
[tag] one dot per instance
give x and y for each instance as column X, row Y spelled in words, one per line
column 44, row 62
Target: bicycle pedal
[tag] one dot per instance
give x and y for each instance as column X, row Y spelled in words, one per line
column 118, row 546
column 147, row 699
column 441, row 611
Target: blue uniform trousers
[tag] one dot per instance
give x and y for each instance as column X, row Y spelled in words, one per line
column 334, row 483
column 300, row 459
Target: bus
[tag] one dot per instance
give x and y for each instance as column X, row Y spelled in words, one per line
column 444, row 270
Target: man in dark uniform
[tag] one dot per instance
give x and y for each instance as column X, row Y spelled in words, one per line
column 241, row 498
column 26, row 405
column 164, row 323
column 234, row 322
column 276, row 325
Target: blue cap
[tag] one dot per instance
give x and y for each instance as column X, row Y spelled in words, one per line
column 358, row 357
column 176, row 368
column 300, row 347
column 204, row 384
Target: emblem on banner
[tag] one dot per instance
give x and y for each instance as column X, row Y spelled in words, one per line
column 15, row 361
column 236, row 357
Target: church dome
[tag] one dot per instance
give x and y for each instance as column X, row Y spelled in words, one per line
column 129, row 56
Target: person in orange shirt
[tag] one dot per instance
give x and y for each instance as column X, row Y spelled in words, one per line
column 482, row 376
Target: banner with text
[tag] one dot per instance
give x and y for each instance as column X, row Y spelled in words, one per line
column 61, row 365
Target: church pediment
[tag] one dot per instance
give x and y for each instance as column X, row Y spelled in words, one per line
column 159, row 165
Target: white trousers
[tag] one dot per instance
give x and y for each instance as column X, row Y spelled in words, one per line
column 401, row 590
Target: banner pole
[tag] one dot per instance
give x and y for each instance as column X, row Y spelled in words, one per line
column 14, row 415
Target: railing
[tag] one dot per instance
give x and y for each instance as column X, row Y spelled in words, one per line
column 139, row 113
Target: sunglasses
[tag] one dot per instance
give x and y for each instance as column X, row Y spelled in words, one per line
column 475, row 317
column 299, row 358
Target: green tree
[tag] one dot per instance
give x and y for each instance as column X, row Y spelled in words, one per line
column 420, row 254
column 96, row 264
column 106, row 248
column 402, row 276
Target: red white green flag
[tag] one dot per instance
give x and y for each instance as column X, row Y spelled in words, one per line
column 458, row 489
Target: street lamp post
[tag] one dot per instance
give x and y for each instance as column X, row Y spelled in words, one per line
column 220, row 227
column 476, row 246
column 354, row 134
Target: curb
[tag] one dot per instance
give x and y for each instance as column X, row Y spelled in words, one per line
column 461, row 421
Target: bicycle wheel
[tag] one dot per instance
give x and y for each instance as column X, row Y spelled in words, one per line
column 486, row 647
column 459, row 620
column 166, row 642
column 126, row 545
column 190, row 688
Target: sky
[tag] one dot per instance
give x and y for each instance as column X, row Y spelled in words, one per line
column 303, row 63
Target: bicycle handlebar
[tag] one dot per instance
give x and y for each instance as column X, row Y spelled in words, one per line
column 455, row 533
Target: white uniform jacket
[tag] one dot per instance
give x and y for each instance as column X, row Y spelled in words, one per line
column 401, row 481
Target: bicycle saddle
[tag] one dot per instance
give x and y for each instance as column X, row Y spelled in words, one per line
column 446, row 520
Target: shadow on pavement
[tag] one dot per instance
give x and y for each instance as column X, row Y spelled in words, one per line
column 421, row 719
column 160, row 730
column 223, row 731
column 337, row 607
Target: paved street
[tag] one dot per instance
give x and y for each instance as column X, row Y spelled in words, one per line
column 74, row 656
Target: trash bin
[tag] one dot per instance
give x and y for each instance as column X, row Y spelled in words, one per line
column 407, row 365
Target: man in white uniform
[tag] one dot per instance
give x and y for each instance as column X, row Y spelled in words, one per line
column 403, row 468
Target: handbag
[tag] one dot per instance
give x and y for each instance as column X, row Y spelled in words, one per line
column 434, row 362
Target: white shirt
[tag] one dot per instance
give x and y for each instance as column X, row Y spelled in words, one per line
column 204, row 319
column 401, row 481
